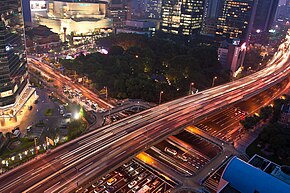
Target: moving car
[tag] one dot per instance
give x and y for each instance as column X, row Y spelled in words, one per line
column 132, row 184
column 111, row 181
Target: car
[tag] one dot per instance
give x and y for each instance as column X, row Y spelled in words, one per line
column 99, row 182
column 130, row 169
column 171, row 151
column 150, row 178
column 29, row 128
column 126, row 164
column 119, row 173
column 182, row 157
column 141, row 176
column 106, row 176
column 135, row 189
column 67, row 115
column 101, row 188
column 111, row 181
column 156, row 183
column 132, row 184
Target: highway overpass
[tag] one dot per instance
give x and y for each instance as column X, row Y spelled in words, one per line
column 77, row 162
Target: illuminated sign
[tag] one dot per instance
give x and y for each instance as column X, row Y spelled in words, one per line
column 38, row 5
column 84, row 4
column 236, row 42
column 6, row 93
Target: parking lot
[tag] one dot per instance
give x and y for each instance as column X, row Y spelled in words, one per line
column 185, row 153
column 132, row 177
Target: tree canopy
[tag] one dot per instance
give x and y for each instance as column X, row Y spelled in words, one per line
column 140, row 67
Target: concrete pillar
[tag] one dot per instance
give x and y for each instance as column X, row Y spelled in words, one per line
column 2, row 121
column 14, row 119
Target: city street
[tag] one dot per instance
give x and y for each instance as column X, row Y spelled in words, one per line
column 103, row 149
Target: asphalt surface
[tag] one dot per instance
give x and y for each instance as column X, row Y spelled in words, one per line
column 131, row 177
column 225, row 125
column 96, row 153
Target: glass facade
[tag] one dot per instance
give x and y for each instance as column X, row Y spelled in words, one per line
column 266, row 11
column 182, row 17
column 13, row 64
column 235, row 18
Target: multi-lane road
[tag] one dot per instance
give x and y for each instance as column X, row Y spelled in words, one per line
column 95, row 153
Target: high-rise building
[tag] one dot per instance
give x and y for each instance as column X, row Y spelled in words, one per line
column 153, row 9
column 182, row 17
column 26, row 11
column 236, row 18
column 265, row 14
column 210, row 17
column 118, row 12
column 13, row 64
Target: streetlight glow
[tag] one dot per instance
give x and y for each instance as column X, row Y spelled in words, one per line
column 76, row 115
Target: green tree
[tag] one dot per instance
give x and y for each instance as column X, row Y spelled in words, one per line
column 266, row 112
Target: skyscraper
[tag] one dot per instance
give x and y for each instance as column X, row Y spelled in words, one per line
column 236, row 18
column 118, row 12
column 153, row 9
column 182, row 17
column 13, row 64
column 210, row 17
column 265, row 14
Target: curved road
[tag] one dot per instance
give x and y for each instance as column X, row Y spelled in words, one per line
column 95, row 153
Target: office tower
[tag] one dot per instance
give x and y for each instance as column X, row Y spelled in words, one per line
column 210, row 17
column 26, row 11
column 13, row 64
column 235, row 19
column 117, row 11
column 283, row 12
column 182, row 17
column 153, row 9
column 265, row 14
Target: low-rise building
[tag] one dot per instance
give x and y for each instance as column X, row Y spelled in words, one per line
column 259, row 175
column 41, row 38
column 143, row 27
column 285, row 114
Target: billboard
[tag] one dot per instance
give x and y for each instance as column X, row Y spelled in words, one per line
column 38, row 5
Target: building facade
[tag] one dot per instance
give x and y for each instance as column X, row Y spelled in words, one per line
column 182, row 17
column 259, row 175
column 13, row 65
column 118, row 12
column 153, row 9
column 236, row 19
column 71, row 18
column 210, row 17
column 14, row 90
column 265, row 15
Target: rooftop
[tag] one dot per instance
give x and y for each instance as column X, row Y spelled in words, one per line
column 244, row 177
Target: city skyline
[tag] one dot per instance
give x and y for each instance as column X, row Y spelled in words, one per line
column 135, row 96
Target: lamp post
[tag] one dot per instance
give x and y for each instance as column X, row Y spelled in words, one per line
column 106, row 92
column 213, row 80
column 190, row 88
column 160, row 96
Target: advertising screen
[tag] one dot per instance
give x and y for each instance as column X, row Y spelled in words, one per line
column 38, row 5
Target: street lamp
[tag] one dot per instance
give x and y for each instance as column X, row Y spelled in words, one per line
column 106, row 92
column 213, row 80
column 190, row 88
column 160, row 95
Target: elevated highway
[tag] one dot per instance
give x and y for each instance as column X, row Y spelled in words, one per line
column 77, row 162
